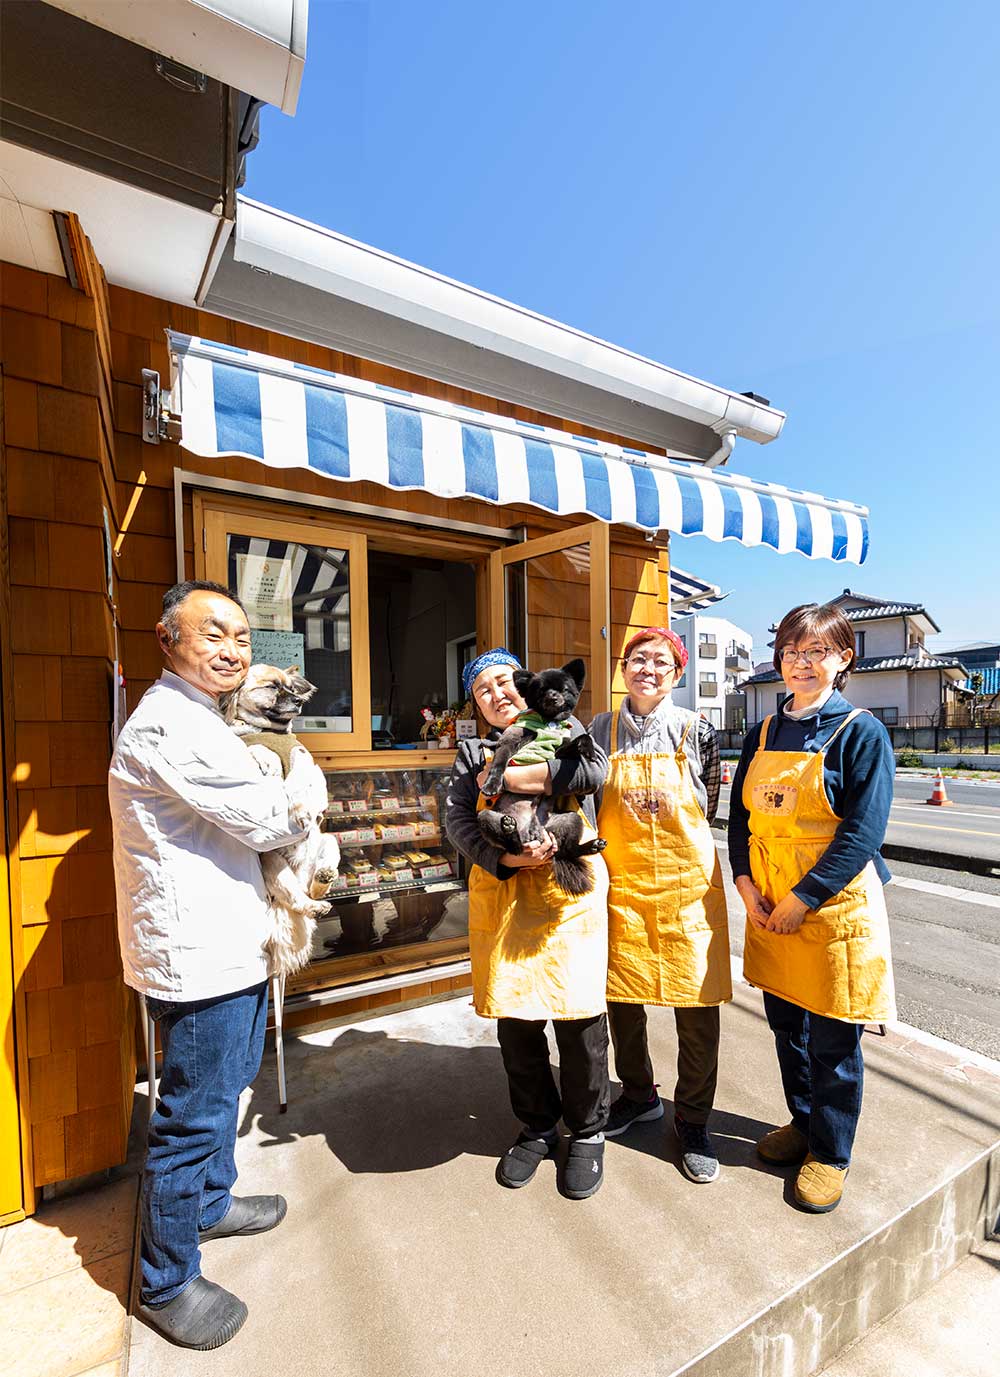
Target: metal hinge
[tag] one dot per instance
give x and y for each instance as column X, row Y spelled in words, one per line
column 158, row 421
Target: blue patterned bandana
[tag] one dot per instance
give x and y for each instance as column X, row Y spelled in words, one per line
column 489, row 658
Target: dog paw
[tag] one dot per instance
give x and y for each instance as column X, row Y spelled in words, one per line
column 508, row 825
column 599, row 844
column 301, row 816
column 325, row 875
column 585, row 747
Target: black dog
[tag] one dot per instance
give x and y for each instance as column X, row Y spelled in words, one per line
column 515, row 819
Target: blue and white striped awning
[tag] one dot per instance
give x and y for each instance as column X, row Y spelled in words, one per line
column 289, row 415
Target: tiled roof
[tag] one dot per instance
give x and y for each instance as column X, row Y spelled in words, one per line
column 885, row 609
column 875, row 662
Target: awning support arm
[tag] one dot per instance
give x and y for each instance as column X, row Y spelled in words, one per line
column 158, row 421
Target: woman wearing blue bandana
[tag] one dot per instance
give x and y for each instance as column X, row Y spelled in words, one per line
column 537, row 953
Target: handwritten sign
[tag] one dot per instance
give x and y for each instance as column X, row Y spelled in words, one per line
column 281, row 648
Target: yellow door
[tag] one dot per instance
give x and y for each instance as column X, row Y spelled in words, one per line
column 11, row 1195
column 550, row 602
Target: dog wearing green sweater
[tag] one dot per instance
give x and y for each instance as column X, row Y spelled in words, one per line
column 537, row 736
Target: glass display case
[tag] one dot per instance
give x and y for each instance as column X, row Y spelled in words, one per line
column 400, row 882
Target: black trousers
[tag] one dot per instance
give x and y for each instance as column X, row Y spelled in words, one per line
column 697, row 1057
column 584, row 1095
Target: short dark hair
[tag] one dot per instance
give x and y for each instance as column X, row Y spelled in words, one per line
column 822, row 620
column 175, row 596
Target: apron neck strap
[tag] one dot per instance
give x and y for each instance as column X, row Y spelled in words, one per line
column 613, row 731
column 684, row 737
column 765, row 727
column 846, row 723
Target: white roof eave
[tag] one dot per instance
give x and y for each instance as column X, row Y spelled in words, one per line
column 274, row 241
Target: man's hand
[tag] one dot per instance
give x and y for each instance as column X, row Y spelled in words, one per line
column 758, row 908
column 535, row 853
column 787, row 916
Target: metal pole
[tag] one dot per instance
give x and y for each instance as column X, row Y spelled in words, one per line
column 149, row 1036
column 278, row 1000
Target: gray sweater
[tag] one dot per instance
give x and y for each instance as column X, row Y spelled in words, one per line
column 660, row 734
column 579, row 778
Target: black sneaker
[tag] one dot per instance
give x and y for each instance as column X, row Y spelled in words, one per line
column 625, row 1112
column 583, row 1171
column 698, row 1157
column 519, row 1163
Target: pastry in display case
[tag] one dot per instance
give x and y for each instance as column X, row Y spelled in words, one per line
column 400, row 879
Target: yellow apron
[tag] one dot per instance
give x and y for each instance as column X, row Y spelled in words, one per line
column 668, row 929
column 838, row 963
column 536, row 951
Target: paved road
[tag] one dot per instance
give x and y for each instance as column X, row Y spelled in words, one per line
column 969, row 827
column 945, row 930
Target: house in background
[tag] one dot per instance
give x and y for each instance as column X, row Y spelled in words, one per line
column 720, row 653
column 978, row 655
column 895, row 676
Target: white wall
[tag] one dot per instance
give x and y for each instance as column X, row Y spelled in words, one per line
column 881, row 690
column 723, row 632
column 883, row 638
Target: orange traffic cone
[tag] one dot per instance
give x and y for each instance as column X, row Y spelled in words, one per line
column 727, row 777
column 938, row 795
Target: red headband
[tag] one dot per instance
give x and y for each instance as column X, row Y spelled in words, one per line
column 663, row 631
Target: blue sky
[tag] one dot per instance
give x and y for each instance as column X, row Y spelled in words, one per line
column 794, row 199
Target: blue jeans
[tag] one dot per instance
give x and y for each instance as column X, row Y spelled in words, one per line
column 211, row 1053
column 822, row 1073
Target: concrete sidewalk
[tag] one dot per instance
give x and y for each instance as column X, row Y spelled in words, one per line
column 401, row 1255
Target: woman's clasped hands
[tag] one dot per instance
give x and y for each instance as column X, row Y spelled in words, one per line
column 785, row 917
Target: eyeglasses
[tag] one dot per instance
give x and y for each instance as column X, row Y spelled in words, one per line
column 790, row 656
column 659, row 665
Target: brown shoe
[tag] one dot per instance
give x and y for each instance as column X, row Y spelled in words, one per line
column 786, row 1146
column 818, row 1187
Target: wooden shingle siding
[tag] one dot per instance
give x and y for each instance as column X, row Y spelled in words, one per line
column 75, row 1016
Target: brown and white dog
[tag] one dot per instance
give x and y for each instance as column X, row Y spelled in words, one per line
column 261, row 711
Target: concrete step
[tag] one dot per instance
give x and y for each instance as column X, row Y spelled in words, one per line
column 400, row 1254
column 950, row 1331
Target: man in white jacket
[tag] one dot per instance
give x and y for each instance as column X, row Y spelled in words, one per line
column 190, row 811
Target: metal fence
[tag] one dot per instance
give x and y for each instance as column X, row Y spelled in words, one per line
column 920, row 734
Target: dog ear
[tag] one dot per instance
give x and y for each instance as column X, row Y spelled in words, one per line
column 577, row 671
column 227, row 704
column 522, row 678
column 299, row 685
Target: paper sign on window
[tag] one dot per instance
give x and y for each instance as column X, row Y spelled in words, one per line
column 265, row 589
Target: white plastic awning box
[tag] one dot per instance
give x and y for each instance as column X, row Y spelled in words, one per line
column 256, row 46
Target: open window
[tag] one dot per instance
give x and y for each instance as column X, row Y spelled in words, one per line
column 550, row 602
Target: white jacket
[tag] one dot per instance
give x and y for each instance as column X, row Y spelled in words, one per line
column 190, row 810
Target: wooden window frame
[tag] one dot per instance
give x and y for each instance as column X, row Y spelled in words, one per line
column 218, row 524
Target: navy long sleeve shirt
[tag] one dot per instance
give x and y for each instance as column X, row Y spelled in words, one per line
column 858, row 773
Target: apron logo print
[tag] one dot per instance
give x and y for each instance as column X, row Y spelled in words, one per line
column 646, row 805
column 778, row 799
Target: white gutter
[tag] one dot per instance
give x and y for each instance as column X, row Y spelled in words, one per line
column 273, row 241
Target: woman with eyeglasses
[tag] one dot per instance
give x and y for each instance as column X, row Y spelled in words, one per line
column 808, row 814
column 668, row 935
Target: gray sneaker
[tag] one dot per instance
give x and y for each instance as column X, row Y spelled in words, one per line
column 698, row 1157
